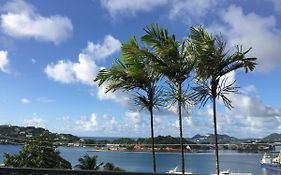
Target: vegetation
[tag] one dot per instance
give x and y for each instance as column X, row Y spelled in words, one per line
column 16, row 134
column 112, row 167
column 135, row 72
column 172, row 61
column 90, row 163
column 38, row 152
column 213, row 64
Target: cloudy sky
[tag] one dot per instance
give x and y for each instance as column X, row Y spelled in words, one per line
column 50, row 51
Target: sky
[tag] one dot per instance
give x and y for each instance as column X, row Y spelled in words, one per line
column 50, row 52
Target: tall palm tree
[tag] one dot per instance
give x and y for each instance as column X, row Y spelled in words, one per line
column 88, row 163
column 172, row 60
column 213, row 64
column 134, row 72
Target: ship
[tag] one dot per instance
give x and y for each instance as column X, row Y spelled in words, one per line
column 271, row 163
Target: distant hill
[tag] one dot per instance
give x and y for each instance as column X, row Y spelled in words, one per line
column 210, row 138
column 17, row 134
column 275, row 137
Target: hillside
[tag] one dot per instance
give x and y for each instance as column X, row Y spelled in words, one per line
column 210, row 138
column 17, row 134
column 275, row 137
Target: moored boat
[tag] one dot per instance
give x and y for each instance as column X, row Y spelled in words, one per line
column 227, row 172
column 175, row 171
column 272, row 164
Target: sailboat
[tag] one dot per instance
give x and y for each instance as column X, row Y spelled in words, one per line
column 175, row 171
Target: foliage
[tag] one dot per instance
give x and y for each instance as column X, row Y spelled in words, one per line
column 38, row 152
column 112, row 167
column 135, row 72
column 88, row 163
column 124, row 141
column 172, row 61
column 213, row 64
column 162, row 140
column 17, row 134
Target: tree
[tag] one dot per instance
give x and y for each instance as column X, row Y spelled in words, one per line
column 135, row 72
column 213, row 64
column 111, row 167
column 88, row 163
column 38, row 152
column 172, row 60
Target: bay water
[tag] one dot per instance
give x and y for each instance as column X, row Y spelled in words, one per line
column 199, row 163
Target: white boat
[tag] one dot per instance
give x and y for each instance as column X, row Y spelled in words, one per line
column 271, row 163
column 227, row 172
column 175, row 171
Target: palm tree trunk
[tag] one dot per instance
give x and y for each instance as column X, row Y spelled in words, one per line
column 216, row 136
column 180, row 126
column 152, row 137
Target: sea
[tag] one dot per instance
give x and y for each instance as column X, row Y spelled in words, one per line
column 198, row 163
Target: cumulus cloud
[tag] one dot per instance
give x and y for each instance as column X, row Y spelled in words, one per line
column 83, row 71
column 21, row 20
column 252, row 30
column 65, row 71
column 25, row 101
column 128, row 7
column 86, row 68
column 4, row 61
column 35, row 121
column 130, row 124
column 102, row 50
column 187, row 10
column 117, row 96
column 250, row 116
column 87, row 123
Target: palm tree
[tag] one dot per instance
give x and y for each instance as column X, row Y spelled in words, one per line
column 135, row 72
column 111, row 167
column 213, row 64
column 88, row 163
column 172, row 60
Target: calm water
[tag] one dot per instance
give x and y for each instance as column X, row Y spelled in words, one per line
column 200, row 163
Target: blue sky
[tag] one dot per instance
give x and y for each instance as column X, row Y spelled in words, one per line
column 51, row 50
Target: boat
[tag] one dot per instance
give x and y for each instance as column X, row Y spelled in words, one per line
column 227, row 172
column 271, row 163
column 175, row 171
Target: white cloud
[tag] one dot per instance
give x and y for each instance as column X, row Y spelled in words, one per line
column 250, row 116
column 83, row 71
column 33, row 61
column 109, row 46
column 22, row 21
column 107, row 125
column 117, row 96
column 249, row 89
column 253, row 106
column 88, row 123
column 25, row 101
column 252, row 30
column 35, row 121
column 4, row 62
column 65, row 71
column 186, row 10
column 129, row 7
